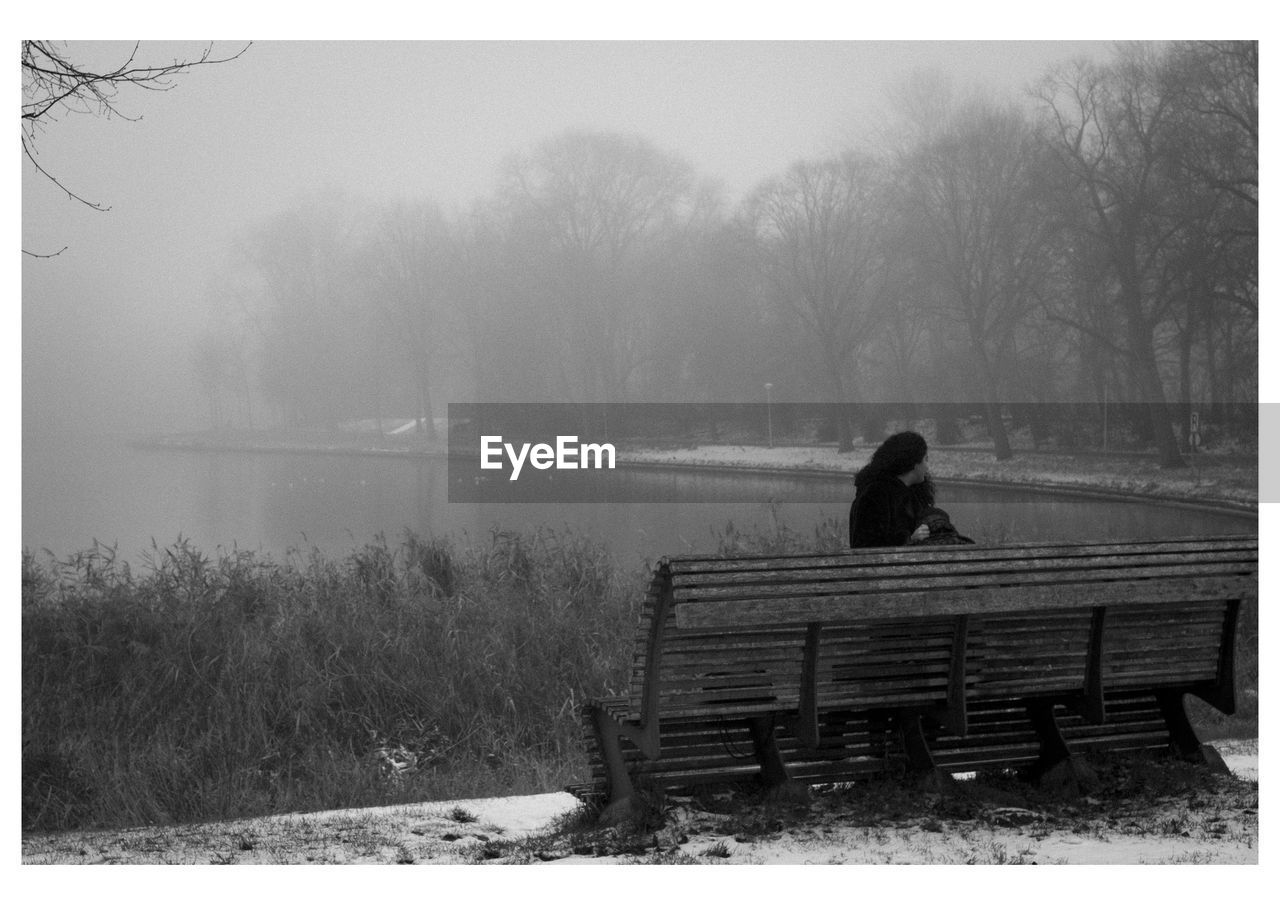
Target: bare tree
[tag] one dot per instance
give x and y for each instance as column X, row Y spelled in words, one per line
column 310, row 321
column 1158, row 156
column 221, row 354
column 55, row 84
column 818, row 242
column 1219, row 81
column 1216, row 271
column 593, row 204
column 1113, row 130
column 218, row 366
column 983, row 238
column 411, row 264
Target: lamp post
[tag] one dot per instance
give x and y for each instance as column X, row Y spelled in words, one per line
column 768, row 410
column 1104, row 417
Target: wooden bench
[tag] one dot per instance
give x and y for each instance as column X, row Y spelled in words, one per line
column 820, row 668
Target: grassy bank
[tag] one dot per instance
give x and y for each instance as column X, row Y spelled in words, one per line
column 202, row 688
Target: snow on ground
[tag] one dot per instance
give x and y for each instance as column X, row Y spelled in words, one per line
column 1213, row 821
column 440, row 831
column 1241, row 757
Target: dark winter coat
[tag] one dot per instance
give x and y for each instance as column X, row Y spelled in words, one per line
column 884, row 513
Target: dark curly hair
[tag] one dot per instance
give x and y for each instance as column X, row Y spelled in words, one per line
column 895, row 456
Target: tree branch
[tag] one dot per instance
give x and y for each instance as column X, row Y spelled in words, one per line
column 26, row 149
column 50, row 79
column 54, row 255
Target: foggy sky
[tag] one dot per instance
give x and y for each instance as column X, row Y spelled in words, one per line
column 108, row 325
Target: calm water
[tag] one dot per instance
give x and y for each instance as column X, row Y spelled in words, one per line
column 75, row 493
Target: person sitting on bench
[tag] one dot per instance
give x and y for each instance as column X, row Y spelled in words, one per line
column 892, row 493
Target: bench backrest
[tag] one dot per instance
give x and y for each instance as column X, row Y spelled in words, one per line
column 937, row 627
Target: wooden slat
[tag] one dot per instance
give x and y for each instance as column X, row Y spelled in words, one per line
column 911, row 604
column 684, row 565
column 688, row 583
column 962, row 583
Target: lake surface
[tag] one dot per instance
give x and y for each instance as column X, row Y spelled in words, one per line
column 75, row 493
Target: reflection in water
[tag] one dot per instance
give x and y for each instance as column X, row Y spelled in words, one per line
column 277, row 502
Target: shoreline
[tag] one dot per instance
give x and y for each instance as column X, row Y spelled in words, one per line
column 1219, row 506
column 1088, row 475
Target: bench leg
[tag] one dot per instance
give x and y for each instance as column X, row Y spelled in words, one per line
column 1182, row 735
column 620, row 789
column 881, row 727
column 1053, row 747
column 773, row 769
column 1056, row 769
column 919, row 757
column 921, row 767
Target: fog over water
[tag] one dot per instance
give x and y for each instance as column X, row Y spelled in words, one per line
column 275, row 503
column 109, row 324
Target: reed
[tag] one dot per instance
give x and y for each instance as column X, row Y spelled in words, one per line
column 200, row 688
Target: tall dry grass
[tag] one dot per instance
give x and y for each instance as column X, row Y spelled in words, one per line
column 201, row 688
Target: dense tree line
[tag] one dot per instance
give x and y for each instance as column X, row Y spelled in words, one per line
column 1098, row 244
